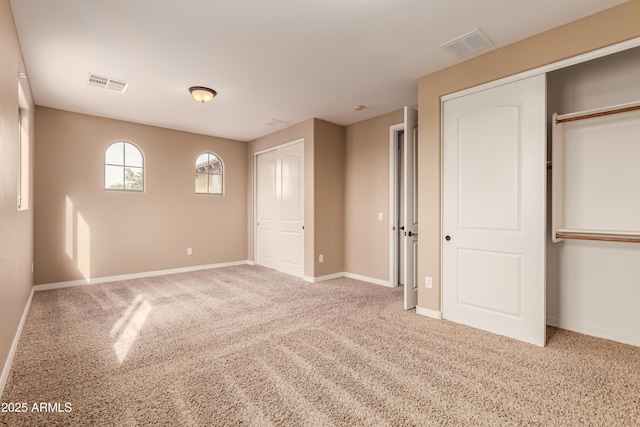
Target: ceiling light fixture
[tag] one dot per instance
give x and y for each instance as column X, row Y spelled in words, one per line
column 358, row 107
column 202, row 94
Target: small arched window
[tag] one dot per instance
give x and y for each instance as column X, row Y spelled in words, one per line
column 209, row 174
column 123, row 167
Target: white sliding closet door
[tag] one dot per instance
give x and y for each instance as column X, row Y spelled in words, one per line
column 493, row 219
column 280, row 209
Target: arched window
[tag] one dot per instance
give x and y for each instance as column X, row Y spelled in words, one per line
column 123, row 167
column 209, row 174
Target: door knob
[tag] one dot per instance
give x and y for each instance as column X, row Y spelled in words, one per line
column 447, row 238
column 412, row 234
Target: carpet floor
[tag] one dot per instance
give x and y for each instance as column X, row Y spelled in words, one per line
column 249, row 346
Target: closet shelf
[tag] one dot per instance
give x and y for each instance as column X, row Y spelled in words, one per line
column 599, row 235
column 617, row 109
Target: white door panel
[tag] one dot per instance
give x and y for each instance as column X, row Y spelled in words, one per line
column 488, row 192
column 500, row 294
column 494, row 183
column 291, row 188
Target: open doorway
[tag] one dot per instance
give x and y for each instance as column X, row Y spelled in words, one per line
column 403, row 206
column 396, row 214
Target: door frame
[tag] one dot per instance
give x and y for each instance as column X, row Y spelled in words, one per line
column 255, row 196
column 394, row 132
column 407, row 184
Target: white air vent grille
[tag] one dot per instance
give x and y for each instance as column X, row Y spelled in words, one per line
column 276, row 123
column 107, row 83
column 467, row 44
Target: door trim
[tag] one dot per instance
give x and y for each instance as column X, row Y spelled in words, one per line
column 275, row 147
column 255, row 194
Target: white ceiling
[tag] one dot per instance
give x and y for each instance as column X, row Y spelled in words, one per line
column 289, row 60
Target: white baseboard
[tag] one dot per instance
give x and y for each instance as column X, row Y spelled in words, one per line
column 429, row 313
column 323, row 278
column 594, row 331
column 96, row 280
column 386, row 283
column 311, row 279
column 12, row 352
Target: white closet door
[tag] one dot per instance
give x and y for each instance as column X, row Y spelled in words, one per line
column 291, row 162
column 494, row 183
column 280, row 209
column 268, row 218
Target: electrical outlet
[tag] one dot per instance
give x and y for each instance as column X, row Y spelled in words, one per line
column 189, row 251
column 321, row 258
column 428, row 282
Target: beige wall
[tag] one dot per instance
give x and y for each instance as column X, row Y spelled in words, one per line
column 323, row 198
column 16, row 227
column 603, row 29
column 366, row 240
column 83, row 231
column 329, row 183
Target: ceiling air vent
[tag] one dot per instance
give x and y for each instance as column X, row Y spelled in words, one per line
column 107, row 83
column 276, row 123
column 467, row 44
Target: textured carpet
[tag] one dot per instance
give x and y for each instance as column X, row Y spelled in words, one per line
column 248, row 346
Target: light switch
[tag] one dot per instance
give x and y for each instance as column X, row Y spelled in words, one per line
column 428, row 282
column 380, row 216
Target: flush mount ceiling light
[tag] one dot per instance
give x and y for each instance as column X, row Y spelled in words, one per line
column 202, row 94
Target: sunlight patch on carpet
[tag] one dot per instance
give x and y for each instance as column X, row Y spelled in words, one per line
column 130, row 324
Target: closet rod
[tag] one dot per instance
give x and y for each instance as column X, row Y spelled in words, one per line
column 599, row 238
column 598, row 114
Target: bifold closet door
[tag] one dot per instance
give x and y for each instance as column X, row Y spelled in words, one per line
column 493, row 217
column 280, row 209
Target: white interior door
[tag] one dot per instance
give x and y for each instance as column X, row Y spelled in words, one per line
column 493, row 219
column 280, row 209
column 410, row 207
